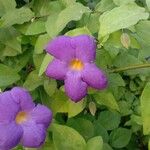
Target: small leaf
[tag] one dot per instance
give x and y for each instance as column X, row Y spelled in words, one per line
column 7, row 75
column 47, row 59
column 125, row 40
column 61, row 103
column 92, row 108
column 120, row 137
column 66, row 138
column 41, row 43
column 107, row 99
column 95, row 143
column 106, row 117
column 33, row 81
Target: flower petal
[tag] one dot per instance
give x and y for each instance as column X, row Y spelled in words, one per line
column 23, row 98
column 10, row 135
column 8, row 107
column 85, row 47
column 56, row 69
column 94, row 77
column 61, row 48
column 42, row 115
column 33, row 134
column 75, row 88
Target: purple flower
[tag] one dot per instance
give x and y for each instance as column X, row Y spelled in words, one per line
column 21, row 121
column 74, row 63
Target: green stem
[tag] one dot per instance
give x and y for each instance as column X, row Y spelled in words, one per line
column 131, row 67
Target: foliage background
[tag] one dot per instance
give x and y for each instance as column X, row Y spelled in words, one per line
column 117, row 118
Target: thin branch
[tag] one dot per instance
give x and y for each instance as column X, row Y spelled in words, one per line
column 131, row 67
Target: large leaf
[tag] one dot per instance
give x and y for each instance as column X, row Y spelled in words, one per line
column 148, row 4
column 17, row 16
column 142, row 30
column 120, row 17
column 66, row 138
column 57, row 22
column 7, row 75
column 121, row 2
column 6, row 5
column 145, row 109
column 104, row 5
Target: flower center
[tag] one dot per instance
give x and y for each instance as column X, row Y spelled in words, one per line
column 76, row 64
column 21, row 117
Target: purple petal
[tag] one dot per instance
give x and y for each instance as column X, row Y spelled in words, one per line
column 10, row 135
column 33, row 134
column 61, row 48
column 56, row 69
column 8, row 107
column 94, row 77
column 85, row 47
column 23, row 98
column 42, row 115
column 75, row 88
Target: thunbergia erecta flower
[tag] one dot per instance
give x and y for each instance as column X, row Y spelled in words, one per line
column 74, row 63
column 21, row 121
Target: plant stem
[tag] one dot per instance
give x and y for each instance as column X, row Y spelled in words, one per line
column 131, row 67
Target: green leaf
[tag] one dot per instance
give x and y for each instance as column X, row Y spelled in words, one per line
column 17, row 16
column 148, row 4
column 120, row 137
column 41, row 43
column 106, row 117
column 32, row 28
column 115, row 80
column 67, row 2
column 95, row 143
column 121, row 2
column 8, row 36
column 83, row 126
column 57, row 22
column 67, row 138
column 107, row 99
column 145, row 109
column 61, row 103
column 50, row 86
column 99, row 130
column 47, row 59
column 105, row 5
column 78, row 31
column 46, row 7
column 142, row 30
column 33, row 81
column 106, row 147
column 6, row 5
column 7, row 75
column 120, row 17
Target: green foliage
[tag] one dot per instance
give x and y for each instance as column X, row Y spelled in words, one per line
column 115, row 118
